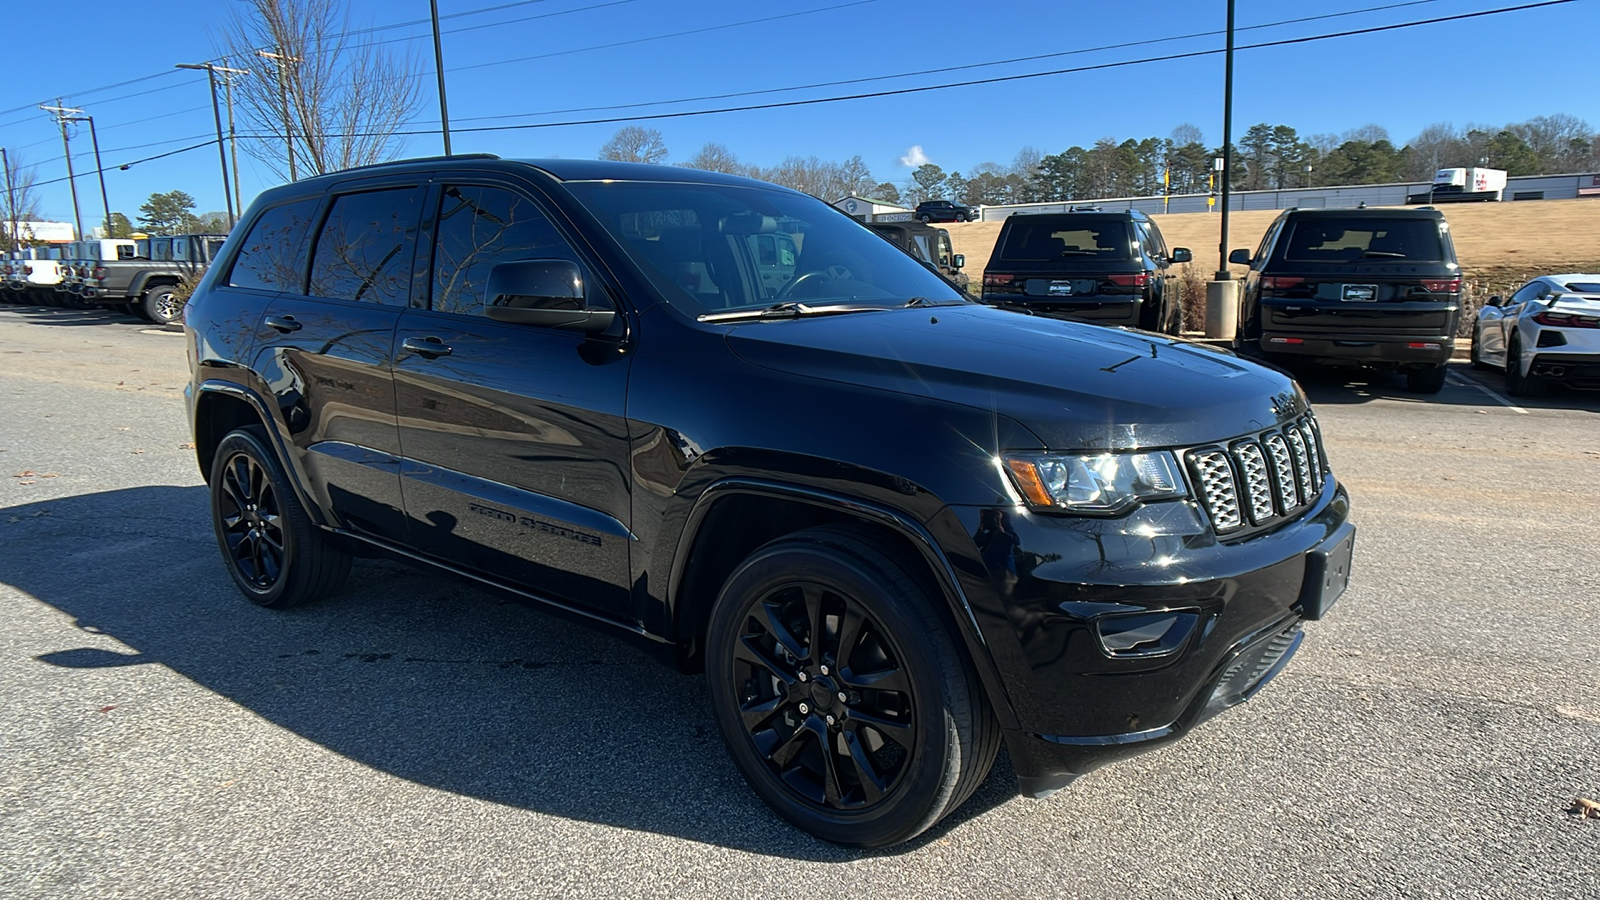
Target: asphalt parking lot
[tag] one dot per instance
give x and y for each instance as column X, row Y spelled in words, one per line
column 418, row 737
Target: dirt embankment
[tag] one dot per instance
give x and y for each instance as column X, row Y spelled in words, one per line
column 1497, row 243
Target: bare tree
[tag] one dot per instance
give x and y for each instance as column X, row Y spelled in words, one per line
column 19, row 204
column 1186, row 133
column 714, row 158
column 329, row 94
column 634, row 144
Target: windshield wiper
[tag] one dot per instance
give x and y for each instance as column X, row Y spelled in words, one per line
column 1079, row 252
column 788, row 310
column 1384, row 254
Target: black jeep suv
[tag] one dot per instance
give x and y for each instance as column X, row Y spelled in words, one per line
column 1109, row 268
column 1374, row 287
column 942, row 211
column 894, row 527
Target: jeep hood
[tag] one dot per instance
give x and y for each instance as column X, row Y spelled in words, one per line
column 1075, row 386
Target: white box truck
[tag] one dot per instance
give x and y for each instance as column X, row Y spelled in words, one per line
column 1460, row 185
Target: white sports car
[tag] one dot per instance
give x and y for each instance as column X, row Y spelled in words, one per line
column 1547, row 332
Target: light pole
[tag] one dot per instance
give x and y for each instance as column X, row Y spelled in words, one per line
column 222, row 148
column 281, row 60
column 11, row 202
column 99, row 169
column 61, row 114
column 1227, row 147
column 438, row 65
column 233, row 139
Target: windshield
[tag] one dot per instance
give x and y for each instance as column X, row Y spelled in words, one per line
column 1066, row 237
column 1365, row 240
column 713, row 248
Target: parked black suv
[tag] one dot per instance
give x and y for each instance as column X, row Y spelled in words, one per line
column 893, row 526
column 1374, row 287
column 942, row 211
column 1109, row 268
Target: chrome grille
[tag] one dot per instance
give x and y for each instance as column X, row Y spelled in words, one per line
column 1215, row 476
column 1253, row 470
column 1260, row 478
column 1282, row 472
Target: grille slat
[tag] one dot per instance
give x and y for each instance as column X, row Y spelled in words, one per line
column 1260, row 479
column 1253, row 469
column 1282, row 472
column 1217, row 487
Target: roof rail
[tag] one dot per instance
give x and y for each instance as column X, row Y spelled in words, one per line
column 417, row 159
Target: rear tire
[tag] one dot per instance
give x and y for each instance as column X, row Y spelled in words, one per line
column 925, row 219
column 1427, row 381
column 277, row 557
column 161, row 305
column 1518, row 384
column 828, row 611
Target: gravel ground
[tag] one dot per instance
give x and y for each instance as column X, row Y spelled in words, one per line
column 418, row 737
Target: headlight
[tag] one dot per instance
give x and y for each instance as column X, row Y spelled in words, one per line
column 1101, row 484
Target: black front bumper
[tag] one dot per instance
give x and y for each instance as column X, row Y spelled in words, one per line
column 1054, row 608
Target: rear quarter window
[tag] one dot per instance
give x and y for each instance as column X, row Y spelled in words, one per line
column 1364, row 240
column 273, row 253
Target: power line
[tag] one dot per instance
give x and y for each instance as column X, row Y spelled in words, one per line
column 943, row 69
column 130, row 164
column 999, row 79
column 662, row 37
column 564, row 12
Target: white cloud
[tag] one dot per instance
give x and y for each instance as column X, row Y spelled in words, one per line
column 914, row 158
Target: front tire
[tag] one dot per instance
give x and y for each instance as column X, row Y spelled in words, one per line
column 841, row 694
column 276, row 555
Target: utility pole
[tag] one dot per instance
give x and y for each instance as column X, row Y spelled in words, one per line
column 233, row 139
column 61, row 115
column 282, row 59
column 222, row 147
column 11, row 202
column 438, row 65
column 99, row 169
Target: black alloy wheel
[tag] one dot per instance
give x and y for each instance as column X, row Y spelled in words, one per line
column 1518, row 384
column 840, row 693
column 276, row 556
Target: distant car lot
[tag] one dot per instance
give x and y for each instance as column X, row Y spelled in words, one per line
column 419, row 737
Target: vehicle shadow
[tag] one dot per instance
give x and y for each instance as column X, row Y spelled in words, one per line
column 1465, row 387
column 415, row 674
column 56, row 315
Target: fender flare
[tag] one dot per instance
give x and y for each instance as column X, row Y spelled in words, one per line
column 933, row 557
column 274, row 437
column 146, row 280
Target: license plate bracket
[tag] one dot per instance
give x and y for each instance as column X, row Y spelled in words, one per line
column 1327, row 572
column 1358, row 293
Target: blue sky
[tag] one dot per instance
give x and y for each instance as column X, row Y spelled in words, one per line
column 1486, row 70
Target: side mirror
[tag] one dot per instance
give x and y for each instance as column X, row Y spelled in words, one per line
column 1239, row 257
column 1182, row 255
column 959, row 261
column 544, row 292
column 1496, row 300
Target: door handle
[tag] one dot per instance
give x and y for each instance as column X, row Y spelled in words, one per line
column 429, row 347
column 284, row 324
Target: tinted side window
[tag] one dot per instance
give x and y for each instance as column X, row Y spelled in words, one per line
column 1528, row 292
column 364, row 251
column 482, row 226
column 274, row 252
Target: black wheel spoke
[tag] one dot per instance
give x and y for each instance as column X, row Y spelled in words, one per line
column 814, row 631
column 852, row 626
column 748, row 650
column 767, row 613
column 894, row 729
column 881, row 680
column 784, row 753
column 872, row 785
column 832, row 794
column 759, row 712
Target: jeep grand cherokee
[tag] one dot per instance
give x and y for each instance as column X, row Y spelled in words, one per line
column 894, row 527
